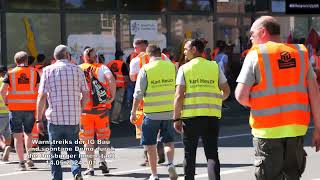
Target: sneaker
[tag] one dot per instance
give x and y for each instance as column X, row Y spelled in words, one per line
column 103, row 167
column 152, row 177
column 6, row 152
column 172, row 172
column 78, row 177
column 30, row 164
column 89, row 172
column 22, row 166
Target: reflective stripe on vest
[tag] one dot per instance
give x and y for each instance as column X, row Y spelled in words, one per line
column 161, row 86
column 20, row 96
column 280, row 106
column 203, row 96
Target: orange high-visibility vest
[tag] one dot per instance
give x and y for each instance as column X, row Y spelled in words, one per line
column 279, row 103
column 22, row 91
column 116, row 67
column 144, row 59
column 95, row 70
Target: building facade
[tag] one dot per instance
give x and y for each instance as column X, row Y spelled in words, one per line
column 38, row 26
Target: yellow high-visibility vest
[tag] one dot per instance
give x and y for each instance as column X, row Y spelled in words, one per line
column 203, row 96
column 161, row 76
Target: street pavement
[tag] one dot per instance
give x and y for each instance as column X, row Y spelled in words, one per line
column 235, row 151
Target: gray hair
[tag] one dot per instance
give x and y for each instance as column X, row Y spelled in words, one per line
column 60, row 52
column 21, row 57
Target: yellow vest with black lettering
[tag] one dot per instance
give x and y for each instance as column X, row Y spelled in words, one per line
column 203, row 96
column 160, row 90
column 3, row 107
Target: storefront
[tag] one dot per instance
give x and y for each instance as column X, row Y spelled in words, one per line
column 37, row 26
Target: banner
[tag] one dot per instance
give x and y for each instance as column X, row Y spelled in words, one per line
column 302, row 7
column 103, row 44
column 143, row 26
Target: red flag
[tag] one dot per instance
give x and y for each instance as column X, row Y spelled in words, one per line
column 313, row 38
column 290, row 38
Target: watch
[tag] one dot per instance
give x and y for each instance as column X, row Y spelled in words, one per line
column 37, row 121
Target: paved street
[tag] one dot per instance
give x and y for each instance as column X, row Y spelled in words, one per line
column 235, row 155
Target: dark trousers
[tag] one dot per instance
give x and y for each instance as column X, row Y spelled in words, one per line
column 208, row 129
column 279, row 159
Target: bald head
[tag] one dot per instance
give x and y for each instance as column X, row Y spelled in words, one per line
column 264, row 29
column 62, row 52
column 21, row 57
column 268, row 22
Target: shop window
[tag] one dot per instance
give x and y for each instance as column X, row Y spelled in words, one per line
column 196, row 5
column 90, row 4
column 146, row 5
column 33, row 33
column 298, row 26
column 315, row 23
column 93, row 30
column 186, row 27
column 278, row 6
column 33, row 4
column 150, row 27
column 232, row 6
column 228, row 31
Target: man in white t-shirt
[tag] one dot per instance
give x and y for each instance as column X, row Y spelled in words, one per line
column 142, row 58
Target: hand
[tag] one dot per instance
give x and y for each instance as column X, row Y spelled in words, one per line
column 40, row 127
column 316, row 139
column 178, row 126
column 133, row 117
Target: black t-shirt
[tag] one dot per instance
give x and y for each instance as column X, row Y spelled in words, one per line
column 7, row 79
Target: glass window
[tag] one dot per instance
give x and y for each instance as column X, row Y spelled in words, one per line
column 33, row 33
column 33, row 4
column 185, row 27
column 138, row 5
column 180, row 5
column 297, row 25
column 91, row 5
column 315, row 23
column 150, row 27
column 93, row 30
column 261, row 6
column 233, row 6
column 278, row 6
column 228, row 31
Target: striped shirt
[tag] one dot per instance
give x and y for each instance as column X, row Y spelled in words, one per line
column 63, row 82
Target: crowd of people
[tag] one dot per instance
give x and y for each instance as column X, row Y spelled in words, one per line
column 77, row 102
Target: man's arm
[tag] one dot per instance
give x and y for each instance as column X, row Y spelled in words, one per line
column 85, row 98
column 4, row 91
column 242, row 94
column 225, row 90
column 133, row 77
column 112, row 84
column 41, row 105
column 139, row 92
column 178, row 101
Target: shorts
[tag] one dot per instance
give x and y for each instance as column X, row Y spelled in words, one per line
column 94, row 124
column 278, row 159
column 21, row 121
column 5, row 126
column 151, row 128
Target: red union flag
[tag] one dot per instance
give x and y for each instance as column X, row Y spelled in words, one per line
column 313, row 38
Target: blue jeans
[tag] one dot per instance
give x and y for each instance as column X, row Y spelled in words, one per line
column 69, row 134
